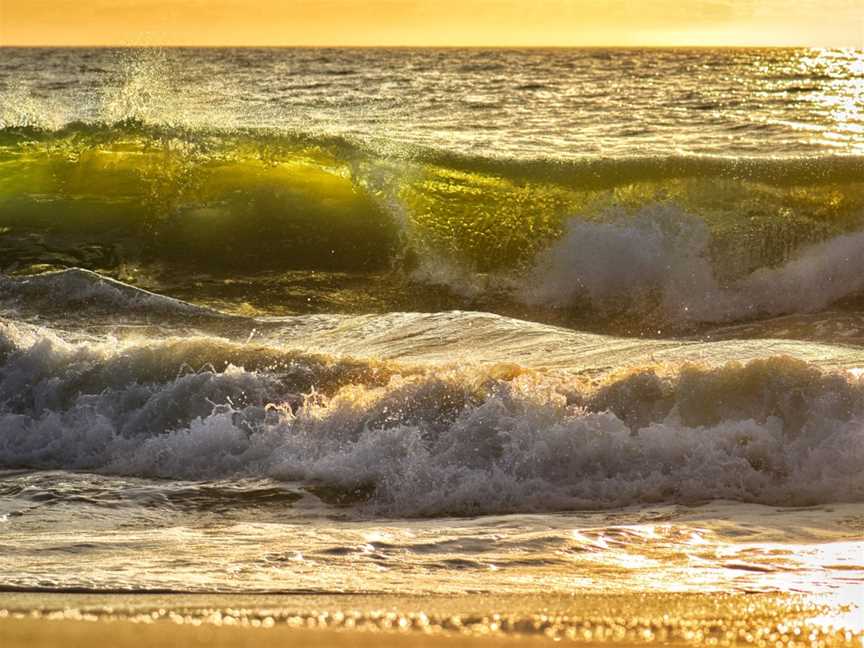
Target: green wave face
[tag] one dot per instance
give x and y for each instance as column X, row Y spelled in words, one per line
column 106, row 197
column 498, row 215
column 101, row 198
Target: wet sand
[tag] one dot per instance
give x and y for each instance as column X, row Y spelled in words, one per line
column 40, row 619
column 125, row 634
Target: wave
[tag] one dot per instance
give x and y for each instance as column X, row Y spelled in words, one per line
column 130, row 196
column 87, row 293
column 104, row 196
column 661, row 261
column 80, row 305
column 430, row 440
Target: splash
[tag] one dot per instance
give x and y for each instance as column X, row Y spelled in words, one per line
column 662, row 260
column 434, row 440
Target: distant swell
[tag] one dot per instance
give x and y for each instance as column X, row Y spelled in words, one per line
column 436, row 441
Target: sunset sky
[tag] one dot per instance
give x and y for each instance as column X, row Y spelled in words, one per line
column 432, row 22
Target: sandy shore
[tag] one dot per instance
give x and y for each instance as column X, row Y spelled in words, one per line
column 31, row 633
column 40, row 619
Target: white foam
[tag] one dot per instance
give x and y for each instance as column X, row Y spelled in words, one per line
column 435, row 441
column 663, row 253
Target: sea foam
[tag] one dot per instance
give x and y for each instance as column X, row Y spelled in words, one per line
column 433, row 440
column 660, row 259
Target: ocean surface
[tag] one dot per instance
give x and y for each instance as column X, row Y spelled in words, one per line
column 432, row 321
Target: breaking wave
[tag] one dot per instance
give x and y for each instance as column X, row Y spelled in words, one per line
column 661, row 261
column 689, row 238
column 434, row 440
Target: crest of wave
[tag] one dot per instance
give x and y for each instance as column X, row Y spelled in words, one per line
column 662, row 253
column 147, row 87
column 21, row 107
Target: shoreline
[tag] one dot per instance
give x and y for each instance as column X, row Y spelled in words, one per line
column 29, row 633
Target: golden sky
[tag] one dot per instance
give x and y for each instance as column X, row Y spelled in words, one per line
column 432, row 22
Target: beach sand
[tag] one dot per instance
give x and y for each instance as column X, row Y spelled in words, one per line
column 35, row 620
column 125, row 634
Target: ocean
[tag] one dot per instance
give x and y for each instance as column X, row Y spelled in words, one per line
column 436, row 323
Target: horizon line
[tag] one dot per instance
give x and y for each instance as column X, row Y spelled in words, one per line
column 331, row 46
